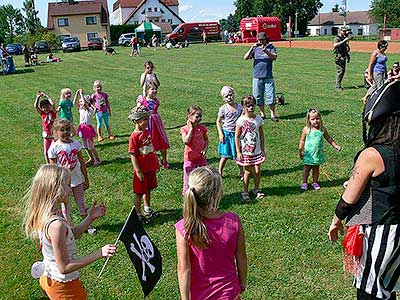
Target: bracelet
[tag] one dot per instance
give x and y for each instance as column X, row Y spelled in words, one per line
column 343, row 209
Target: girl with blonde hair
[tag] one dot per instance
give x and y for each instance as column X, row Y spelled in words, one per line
column 43, row 220
column 210, row 243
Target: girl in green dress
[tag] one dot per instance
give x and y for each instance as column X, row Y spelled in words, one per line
column 311, row 147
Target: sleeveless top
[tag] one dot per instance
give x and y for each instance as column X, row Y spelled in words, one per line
column 314, row 148
column 380, row 64
column 51, row 269
column 213, row 270
column 380, row 201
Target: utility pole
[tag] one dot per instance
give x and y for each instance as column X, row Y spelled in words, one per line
column 295, row 24
column 344, row 12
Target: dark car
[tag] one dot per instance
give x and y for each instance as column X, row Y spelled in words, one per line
column 95, row 43
column 71, row 44
column 42, row 47
column 14, row 48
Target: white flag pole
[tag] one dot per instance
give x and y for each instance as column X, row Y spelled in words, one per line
column 116, row 241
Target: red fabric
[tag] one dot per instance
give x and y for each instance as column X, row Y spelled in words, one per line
column 141, row 146
column 353, row 241
column 196, row 144
column 48, row 121
column 149, row 182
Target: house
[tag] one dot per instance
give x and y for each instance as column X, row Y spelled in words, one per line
column 359, row 22
column 139, row 11
column 83, row 19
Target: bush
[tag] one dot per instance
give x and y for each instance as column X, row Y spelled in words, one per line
column 30, row 39
column 117, row 30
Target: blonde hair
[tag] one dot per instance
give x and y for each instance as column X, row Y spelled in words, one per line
column 204, row 193
column 192, row 109
column 63, row 92
column 313, row 111
column 96, row 83
column 58, row 123
column 44, row 196
column 149, row 86
column 225, row 91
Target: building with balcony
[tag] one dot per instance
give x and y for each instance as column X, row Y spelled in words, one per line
column 139, row 11
column 83, row 19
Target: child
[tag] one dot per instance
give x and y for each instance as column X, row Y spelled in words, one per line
column 211, row 250
column 144, row 161
column 43, row 221
column 226, row 124
column 148, row 76
column 249, row 141
column 311, row 147
column 194, row 136
column 66, row 152
column 103, row 110
column 394, row 72
column 85, row 129
column 156, row 126
column 47, row 112
column 65, row 106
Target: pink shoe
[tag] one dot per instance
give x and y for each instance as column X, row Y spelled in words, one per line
column 316, row 186
column 97, row 162
column 166, row 165
column 304, row 186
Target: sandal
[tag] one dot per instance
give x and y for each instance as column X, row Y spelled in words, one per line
column 143, row 220
column 258, row 194
column 151, row 214
column 245, row 197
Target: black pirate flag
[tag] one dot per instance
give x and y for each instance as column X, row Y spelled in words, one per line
column 143, row 253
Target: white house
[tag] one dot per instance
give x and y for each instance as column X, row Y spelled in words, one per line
column 359, row 22
column 139, row 11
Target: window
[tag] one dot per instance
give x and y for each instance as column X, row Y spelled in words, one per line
column 149, row 9
column 155, row 9
column 360, row 31
column 91, row 20
column 318, row 31
column 136, row 22
column 170, row 21
column 163, row 20
column 91, row 35
column 325, row 31
column 143, row 11
column 63, row 36
column 62, row 22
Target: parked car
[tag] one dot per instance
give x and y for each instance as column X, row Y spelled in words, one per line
column 125, row 39
column 95, row 43
column 14, row 48
column 42, row 47
column 71, row 44
column 193, row 32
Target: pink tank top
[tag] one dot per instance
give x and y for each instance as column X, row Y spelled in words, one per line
column 213, row 270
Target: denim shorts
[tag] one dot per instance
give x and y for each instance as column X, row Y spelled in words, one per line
column 264, row 87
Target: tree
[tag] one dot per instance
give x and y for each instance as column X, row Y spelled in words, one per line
column 231, row 23
column 12, row 22
column 32, row 21
column 390, row 8
column 335, row 8
column 244, row 8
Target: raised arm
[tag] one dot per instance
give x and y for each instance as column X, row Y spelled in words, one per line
column 36, row 103
column 78, row 94
column 338, row 44
column 331, row 141
column 249, row 53
column 184, row 267
column 187, row 137
column 271, row 55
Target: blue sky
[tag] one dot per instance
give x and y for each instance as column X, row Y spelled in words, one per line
column 198, row 10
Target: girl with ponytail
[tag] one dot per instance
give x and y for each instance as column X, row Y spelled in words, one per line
column 212, row 261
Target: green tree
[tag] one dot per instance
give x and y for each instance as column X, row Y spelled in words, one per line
column 390, row 8
column 32, row 21
column 244, row 8
column 335, row 8
column 12, row 22
column 231, row 23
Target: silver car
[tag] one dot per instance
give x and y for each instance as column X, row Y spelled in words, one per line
column 125, row 39
column 71, row 44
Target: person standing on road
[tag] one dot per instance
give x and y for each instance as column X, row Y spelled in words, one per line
column 264, row 55
column 341, row 49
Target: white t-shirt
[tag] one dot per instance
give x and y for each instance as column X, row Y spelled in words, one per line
column 150, row 77
column 67, row 157
column 250, row 134
column 85, row 116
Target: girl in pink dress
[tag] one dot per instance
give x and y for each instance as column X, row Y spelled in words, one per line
column 158, row 135
column 212, row 261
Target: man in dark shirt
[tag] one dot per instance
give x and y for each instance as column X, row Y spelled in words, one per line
column 341, row 49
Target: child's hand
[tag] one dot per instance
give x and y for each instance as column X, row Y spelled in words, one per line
column 140, row 175
column 86, row 184
column 108, row 250
column 239, row 156
column 221, row 139
column 338, row 148
column 189, row 124
column 97, row 211
column 301, row 154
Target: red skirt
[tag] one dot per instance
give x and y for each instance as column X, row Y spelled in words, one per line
column 86, row 131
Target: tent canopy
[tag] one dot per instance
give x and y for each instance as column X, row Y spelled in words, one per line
column 148, row 29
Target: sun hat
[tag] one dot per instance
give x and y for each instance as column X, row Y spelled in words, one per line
column 383, row 102
column 138, row 112
column 262, row 36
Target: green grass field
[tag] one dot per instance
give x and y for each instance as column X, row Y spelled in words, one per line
column 290, row 256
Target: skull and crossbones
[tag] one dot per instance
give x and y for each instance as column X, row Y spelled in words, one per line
column 145, row 253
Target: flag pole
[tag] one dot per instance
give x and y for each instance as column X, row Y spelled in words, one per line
column 116, row 241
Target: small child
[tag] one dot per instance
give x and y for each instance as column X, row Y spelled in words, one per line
column 226, row 124
column 48, row 192
column 311, row 147
column 103, row 110
column 148, row 76
column 144, row 161
column 394, row 72
column 65, row 106
column 47, row 112
column 85, row 129
column 249, row 141
column 66, row 152
column 194, row 136
column 156, row 126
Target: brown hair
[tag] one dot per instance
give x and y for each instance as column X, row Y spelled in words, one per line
column 247, row 99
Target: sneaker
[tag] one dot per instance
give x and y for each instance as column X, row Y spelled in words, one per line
column 111, row 137
column 97, row 162
column 275, row 119
column 100, row 138
column 258, row 194
column 245, row 197
column 304, row 186
column 166, row 165
column 91, row 230
column 151, row 214
column 316, row 186
column 143, row 220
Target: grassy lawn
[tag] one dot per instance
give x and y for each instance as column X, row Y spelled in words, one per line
column 290, row 256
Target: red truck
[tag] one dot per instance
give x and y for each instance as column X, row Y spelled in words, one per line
column 193, row 32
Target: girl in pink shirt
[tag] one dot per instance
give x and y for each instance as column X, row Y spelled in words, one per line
column 212, row 261
column 194, row 136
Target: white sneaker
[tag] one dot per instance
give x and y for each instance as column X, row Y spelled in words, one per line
column 91, row 230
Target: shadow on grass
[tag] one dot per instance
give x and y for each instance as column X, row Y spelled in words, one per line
column 111, row 143
column 179, row 165
column 228, row 200
column 207, row 124
column 117, row 160
column 302, row 115
column 354, row 87
column 281, row 171
column 22, row 70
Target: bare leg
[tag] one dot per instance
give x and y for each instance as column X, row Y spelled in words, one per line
column 262, row 110
column 164, row 156
column 99, row 133
column 222, row 163
column 138, row 203
column 246, row 178
column 146, row 199
column 240, row 172
column 306, row 172
column 257, row 176
column 315, row 173
column 272, row 110
column 95, row 154
column 90, row 153
column 109, row 131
